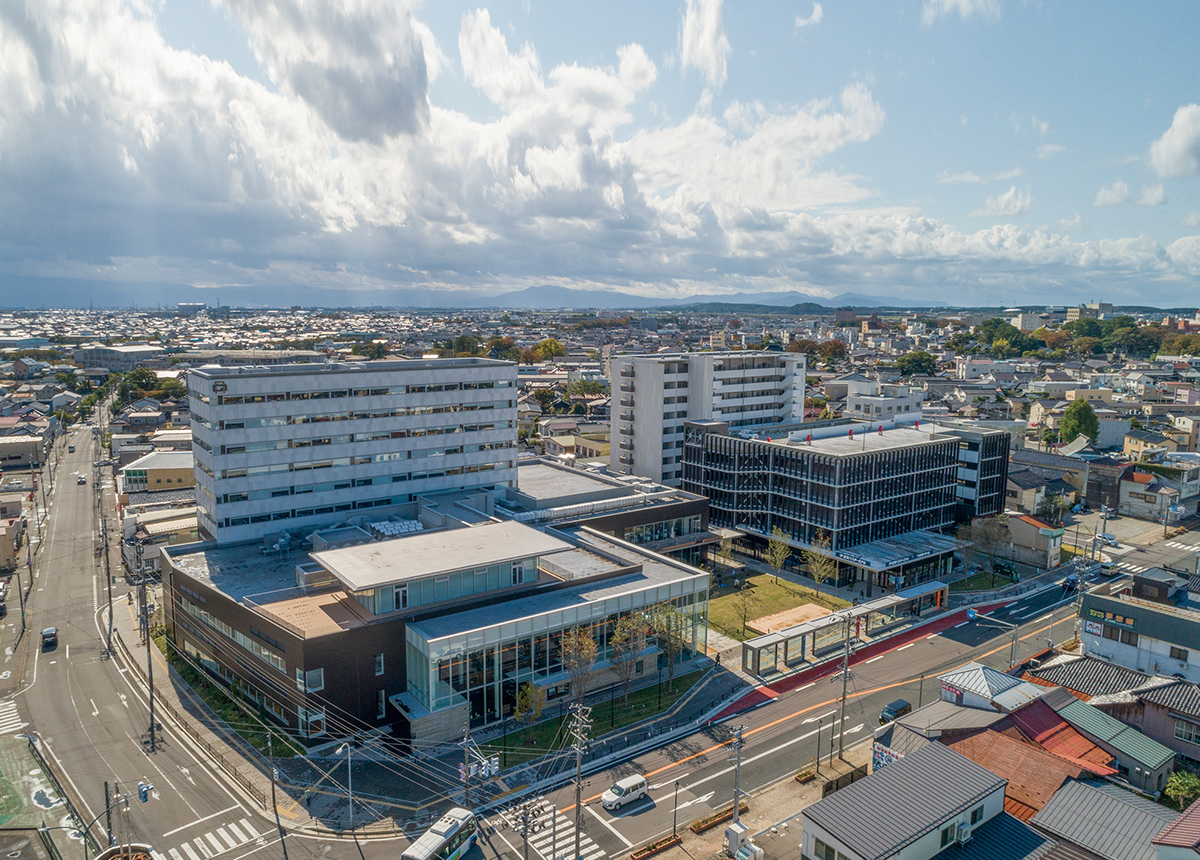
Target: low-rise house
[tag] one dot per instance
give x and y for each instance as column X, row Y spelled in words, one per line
column 1035, row 542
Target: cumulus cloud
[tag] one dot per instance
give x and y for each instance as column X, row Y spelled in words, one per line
column 1009, row 204
column 163, row 166
column 1152, row 195
column 813, row 18
column 1072, row 225
column 1047, row 150
column 1113, row 195
column 1192, row 219
column 970, row 177
column 361, row 66
column 1177, row 152
column 934, row 9
column 702, row 42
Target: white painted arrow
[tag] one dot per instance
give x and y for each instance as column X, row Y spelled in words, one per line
column 705, row 799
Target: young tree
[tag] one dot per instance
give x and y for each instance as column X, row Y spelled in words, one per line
column 966, row 547
column 531, row 700
column 628, row 643
column 822, row 566
column 745, row 602
column 1183, row 787
column 991, row 535
column 1079, row 419
column 1052, row 508
column 778, row 551
column 671, row 631
column 579, row 659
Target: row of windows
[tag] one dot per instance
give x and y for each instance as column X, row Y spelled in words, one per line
column 324, row 418
column 1125, row 637
column 346, row 484
column 261, row 651
column 349, row 438
column 230, row 400
column 363, row 460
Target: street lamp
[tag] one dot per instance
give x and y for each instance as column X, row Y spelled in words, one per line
column 345, row 748
column 675, row 814
column 818, row 744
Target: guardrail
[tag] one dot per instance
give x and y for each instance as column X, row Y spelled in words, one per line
column 79, row 820
column 184, row 722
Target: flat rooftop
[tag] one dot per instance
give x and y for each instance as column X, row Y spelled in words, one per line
column 240, row 570
column 654, row 573
column 338, row 367
column 318, row 614
column 846, row 445
column 382, row 563
column 541, row 481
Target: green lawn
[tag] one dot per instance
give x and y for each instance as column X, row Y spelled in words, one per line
column 982, row 582
column 766, row 598
column 524, row 745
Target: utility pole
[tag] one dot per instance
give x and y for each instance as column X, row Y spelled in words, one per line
column 149, row 668
column 274, row 804
column 845, row 686
column 466, row 744
column 580, row 723
column 736, row 751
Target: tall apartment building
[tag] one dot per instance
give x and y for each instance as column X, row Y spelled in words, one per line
column 296, row 446
column 656, row 395
column 877, row 500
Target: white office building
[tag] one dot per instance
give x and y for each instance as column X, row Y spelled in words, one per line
column 655, row 396
column 297, row 446
column 887, row 402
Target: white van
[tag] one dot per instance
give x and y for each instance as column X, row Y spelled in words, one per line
column 624, row 791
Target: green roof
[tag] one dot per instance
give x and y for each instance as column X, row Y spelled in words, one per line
column 1128, row 742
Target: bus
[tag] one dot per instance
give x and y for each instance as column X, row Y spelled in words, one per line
column 449, row 838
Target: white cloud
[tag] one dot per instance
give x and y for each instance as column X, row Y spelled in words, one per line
column 361, row 66
column 1046, row 150
column 702, row 42
column 1177, row 152
column 966, row 176
column 1113, row 195
column 1192, row 219
column 934, row 9
column 1009, row 204
column 1009, row 174
column 814, row 18
column 507, row 79
column 1072, row 225
column 1152, row 195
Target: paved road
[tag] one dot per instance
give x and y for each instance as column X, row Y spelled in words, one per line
column 782, row 732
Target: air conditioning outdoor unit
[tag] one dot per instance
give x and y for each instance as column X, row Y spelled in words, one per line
column 964, row 833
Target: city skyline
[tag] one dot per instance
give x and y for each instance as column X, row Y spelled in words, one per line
column 967, row 152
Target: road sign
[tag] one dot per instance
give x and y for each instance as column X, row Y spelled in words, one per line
column 972, row 614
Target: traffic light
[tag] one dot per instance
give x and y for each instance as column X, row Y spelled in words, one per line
column 144, row 789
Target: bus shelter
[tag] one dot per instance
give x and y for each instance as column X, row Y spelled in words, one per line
column 785, row 650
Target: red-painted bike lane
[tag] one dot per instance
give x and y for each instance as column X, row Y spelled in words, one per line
column 773, row 690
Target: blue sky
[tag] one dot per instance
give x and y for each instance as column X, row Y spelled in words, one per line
column 961, row 151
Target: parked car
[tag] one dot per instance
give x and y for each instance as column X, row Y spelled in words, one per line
column 1108, row 568
column 50, row 638
column 624, row 791
column 81, row 480
column 1109, row 540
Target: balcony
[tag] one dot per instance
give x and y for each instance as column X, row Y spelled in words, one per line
column 626, row 416
column 627, row 402
column 626, row 460
column 626, row 431
column 627, row 388
column 626, row 446
column 627, row 373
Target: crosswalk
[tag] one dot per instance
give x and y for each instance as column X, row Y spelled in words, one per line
column 551, row 836
column 1132, row 568
column 10, row 720
column 1174, row 544
column 213, row 843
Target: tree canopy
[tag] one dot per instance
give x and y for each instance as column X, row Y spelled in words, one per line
column 1079, row 418
column 917, row 363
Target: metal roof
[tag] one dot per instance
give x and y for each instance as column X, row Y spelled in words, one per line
column 980, row 680
column 1001, row 837
column 1127, row 741
column 1106, row 820
column 877, row 816
column 940, row 716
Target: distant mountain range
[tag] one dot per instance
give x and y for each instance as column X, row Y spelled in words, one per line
column 548, row 296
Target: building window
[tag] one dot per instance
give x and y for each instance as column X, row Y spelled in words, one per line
column 401, row 596
column 381, row 704
column 947, row 835
column 1179, row 654
column 976, row 815
column 312, row 681
column 379, row 664
column 1187, row 731
column 821, row 851
column 518, row 571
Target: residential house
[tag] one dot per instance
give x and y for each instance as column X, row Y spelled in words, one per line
column 1035, row 542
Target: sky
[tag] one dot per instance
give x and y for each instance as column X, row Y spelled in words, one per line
column 970, row 152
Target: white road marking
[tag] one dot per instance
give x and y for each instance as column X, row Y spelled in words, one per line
column 617, row 833
column 933, row 636
column 213, row 839
column 956, row 626
column 187, row 849
column 909, row 645
column 818, row 717
column 668, row 782
column 873, row 659
column 224, row 834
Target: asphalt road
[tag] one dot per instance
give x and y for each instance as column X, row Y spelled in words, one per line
column 781, row 734
column 92, row 715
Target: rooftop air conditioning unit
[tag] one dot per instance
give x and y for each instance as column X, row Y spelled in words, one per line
column 964, row 833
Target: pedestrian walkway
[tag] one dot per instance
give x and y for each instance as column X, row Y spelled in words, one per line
column 1174, row 544
column 1133, row 568
column 10, row 720
column 213, row 843
column 552, row 834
